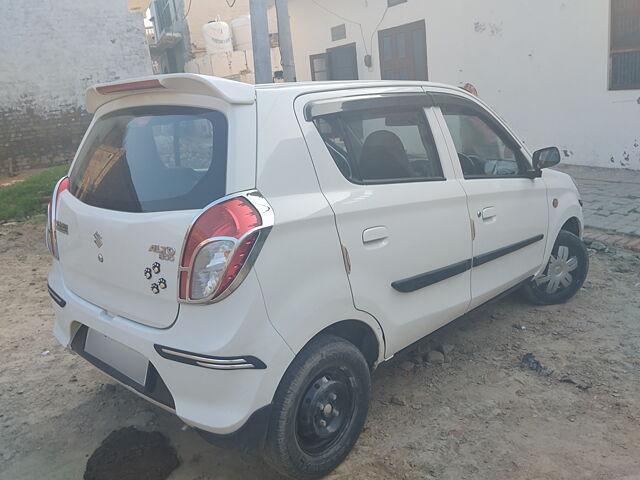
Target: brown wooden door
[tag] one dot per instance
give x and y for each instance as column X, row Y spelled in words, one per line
column 403, row 52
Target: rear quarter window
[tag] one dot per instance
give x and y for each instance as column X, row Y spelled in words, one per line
column 150, row 159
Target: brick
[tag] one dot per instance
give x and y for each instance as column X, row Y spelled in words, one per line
column 45, row 72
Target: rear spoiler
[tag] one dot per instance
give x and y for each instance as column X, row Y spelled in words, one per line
column 227, row 90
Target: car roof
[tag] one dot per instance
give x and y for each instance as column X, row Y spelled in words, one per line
column 324, row 86
column 232, row 91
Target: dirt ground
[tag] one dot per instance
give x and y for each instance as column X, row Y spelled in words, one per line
column 480, row 415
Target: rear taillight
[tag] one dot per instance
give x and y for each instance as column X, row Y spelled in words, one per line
column 221, row 246
column 52, row 211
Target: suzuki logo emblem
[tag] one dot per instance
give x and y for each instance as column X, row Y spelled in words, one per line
column 97, row 239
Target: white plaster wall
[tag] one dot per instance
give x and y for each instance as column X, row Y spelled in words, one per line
column 52, row 50
column 543, row 64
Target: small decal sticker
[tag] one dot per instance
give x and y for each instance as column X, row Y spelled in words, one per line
column 147, row 273
column 155, row 267
column 162, row 283
column 164, row 253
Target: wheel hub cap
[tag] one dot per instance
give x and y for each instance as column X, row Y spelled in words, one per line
column 558, row 273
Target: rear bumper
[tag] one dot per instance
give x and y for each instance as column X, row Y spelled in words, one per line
column 217, row 401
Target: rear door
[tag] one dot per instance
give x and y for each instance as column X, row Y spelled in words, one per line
column 401, row 216
column 508, row 208
column 141, row 175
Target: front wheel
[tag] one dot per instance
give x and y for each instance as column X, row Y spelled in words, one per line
column 319, row 409
column 564, row 274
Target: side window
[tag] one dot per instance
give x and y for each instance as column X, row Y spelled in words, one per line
column 484, row 150
column 383, row 145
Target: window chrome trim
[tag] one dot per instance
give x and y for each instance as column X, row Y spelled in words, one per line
column 255, row 198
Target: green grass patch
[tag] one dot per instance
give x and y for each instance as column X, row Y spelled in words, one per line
column 28, row 198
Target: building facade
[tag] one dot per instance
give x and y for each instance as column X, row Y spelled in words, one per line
column 53, row 51
column 169, row 36
column 561, row 73
column 177, row 42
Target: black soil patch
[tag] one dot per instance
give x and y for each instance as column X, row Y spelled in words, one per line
column 131, row 454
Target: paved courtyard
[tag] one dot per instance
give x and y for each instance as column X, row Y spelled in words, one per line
column 611, row 197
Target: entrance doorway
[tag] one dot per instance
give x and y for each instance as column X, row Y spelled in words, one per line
column 403, row 52
column 337, row 63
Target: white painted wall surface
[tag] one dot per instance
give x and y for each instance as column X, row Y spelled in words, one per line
column 543, row 65
column 53, row 50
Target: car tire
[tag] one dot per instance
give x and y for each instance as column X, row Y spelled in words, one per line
column 319, row 409
column 564, row 273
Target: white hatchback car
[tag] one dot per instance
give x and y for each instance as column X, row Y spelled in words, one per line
column 245, row 256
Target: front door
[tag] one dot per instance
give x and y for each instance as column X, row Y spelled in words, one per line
column 342, row 62
column 400, row 213
column 508, row 208
column 337, row 63
column 403, row 52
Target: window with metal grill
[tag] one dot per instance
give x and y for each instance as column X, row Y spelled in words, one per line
column 163, row 10
column 624, row 69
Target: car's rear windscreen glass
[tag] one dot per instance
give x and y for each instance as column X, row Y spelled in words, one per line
column 150, row 159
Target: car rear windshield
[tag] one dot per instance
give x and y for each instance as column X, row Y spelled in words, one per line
column 150, row 159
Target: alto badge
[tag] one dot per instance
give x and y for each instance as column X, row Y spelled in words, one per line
column 164, row 253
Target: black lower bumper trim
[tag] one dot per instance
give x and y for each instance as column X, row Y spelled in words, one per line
column 250, row 437
column 56, row 298
column 154, row 388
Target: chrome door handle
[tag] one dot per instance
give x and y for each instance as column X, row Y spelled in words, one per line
column 374, row 234
column 488, row 213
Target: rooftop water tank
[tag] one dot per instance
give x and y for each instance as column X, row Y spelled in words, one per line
column 241, row 29
column 217, row 37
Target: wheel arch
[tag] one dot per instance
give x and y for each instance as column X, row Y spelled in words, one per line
column 360, row 334
column 569, row 219
column 573, row 225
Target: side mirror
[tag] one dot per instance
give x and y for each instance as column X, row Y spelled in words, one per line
column 546, row 157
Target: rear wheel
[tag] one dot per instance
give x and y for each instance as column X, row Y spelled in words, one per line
column 319, row 409
column 564, row 274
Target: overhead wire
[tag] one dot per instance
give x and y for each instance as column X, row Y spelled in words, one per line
column 364, row 41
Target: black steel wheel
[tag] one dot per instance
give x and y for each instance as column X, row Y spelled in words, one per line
column 319, row 409
column 325, row 410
